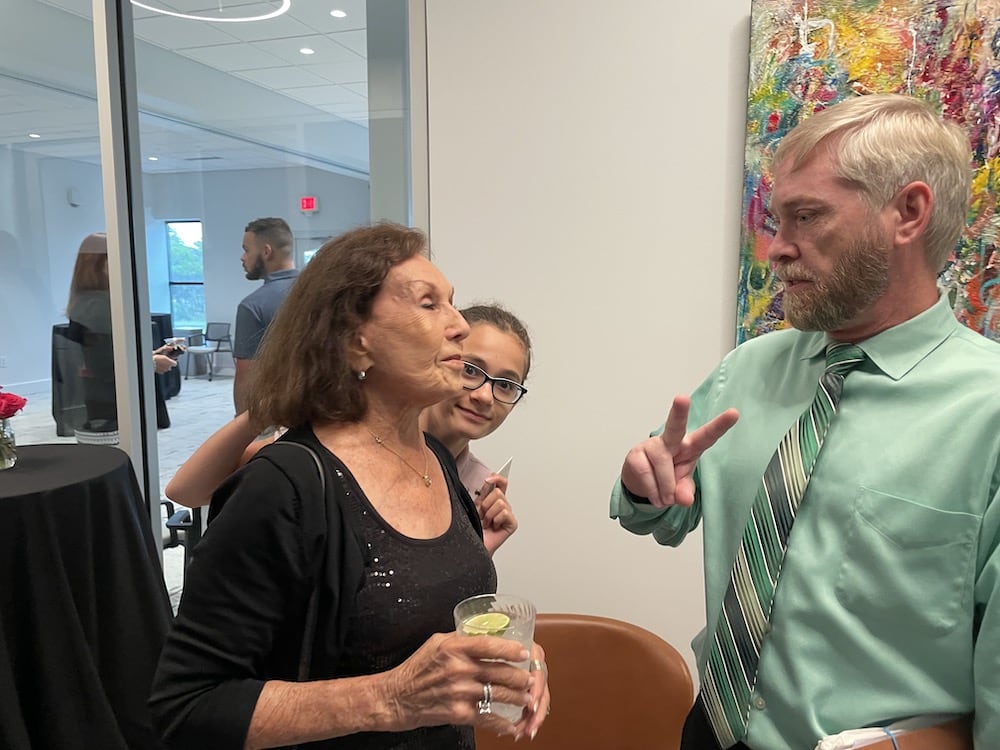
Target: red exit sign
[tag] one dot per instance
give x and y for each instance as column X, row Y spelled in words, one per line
column 308, row 204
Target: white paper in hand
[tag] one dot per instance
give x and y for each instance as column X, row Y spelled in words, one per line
column 504, row 470
column 487, row 487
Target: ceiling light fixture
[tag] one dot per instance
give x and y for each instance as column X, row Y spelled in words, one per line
column 152, row 158
column 307, row 51
column 338, row 13
column 285, row 5
column 34, row 135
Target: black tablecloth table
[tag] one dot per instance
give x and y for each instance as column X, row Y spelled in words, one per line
column 83, row 606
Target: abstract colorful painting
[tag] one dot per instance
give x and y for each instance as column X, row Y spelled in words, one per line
column 807, row 55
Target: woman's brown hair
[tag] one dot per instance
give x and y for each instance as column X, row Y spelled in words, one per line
column 302, row 373
column 90, row 273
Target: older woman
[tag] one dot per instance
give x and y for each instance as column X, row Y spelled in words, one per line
column 366, row 339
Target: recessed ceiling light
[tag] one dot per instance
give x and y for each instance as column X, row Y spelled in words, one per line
column 307, row 51
column 34, row 135
column 152, row 158
column 338, row 13
column 285, row 5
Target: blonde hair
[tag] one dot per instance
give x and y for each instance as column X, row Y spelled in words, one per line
column 883, row 142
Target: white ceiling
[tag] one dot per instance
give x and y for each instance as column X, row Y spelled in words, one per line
column 213, row 95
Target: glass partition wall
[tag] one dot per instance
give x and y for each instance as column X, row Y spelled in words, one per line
column 293, row 108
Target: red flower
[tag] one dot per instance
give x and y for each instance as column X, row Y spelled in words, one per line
column 10, row 404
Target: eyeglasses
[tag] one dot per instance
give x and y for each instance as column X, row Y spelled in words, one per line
column 505, row 391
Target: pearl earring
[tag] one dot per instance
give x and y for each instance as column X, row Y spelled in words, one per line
column 362, row 375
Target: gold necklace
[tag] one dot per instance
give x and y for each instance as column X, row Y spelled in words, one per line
column 425, row 475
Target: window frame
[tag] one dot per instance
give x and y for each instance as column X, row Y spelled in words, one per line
column 171, row 284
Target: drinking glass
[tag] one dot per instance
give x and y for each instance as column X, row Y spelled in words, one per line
column 505, row 616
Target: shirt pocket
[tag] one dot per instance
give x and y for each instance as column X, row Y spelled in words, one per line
column 906, row 563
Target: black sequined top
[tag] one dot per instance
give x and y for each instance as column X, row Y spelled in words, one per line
column 409, row 591
column 243, row 611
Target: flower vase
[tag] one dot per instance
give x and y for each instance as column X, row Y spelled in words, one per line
column 8, row 448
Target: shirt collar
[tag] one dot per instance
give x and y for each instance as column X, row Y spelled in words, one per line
column 278, row 275
column 897, row 350
column 463, row 457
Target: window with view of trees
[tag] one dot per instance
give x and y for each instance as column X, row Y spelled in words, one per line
column 187, row 274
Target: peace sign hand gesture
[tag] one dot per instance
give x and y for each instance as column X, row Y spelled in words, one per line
column 661, row 468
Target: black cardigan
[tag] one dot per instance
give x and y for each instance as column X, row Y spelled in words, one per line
column 243, row 610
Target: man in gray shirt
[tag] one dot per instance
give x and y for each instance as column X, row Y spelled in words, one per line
column 267, row 255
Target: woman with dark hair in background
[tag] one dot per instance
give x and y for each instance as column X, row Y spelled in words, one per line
column 89, row 313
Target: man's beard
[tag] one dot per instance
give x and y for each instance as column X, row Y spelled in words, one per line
column 859, row 278
column 258, row 270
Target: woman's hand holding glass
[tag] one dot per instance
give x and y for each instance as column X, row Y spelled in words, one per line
column 445, row 680
column 541, row 700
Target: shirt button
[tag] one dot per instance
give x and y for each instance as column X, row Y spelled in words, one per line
column 759, row 703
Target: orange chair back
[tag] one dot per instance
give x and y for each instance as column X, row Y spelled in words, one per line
column 615, row 686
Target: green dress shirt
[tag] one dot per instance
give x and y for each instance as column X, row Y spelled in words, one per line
column 888, row 603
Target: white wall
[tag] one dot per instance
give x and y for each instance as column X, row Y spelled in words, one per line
column 39, row 235
column 586, row 170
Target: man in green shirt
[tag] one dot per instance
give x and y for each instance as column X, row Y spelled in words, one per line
column 887, row 601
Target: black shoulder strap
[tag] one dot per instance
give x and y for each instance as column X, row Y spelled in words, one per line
column 309, row 633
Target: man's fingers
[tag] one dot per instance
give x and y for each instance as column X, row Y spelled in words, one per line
column 664, row 476
column 684, row 492
column 676, row 425
column 659, row 468
column 704, row 437
column 639, row 470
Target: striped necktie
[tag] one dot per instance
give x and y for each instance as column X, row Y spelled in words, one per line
column 732, row 664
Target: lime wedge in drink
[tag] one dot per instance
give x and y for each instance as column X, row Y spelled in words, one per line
column 488, row 623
